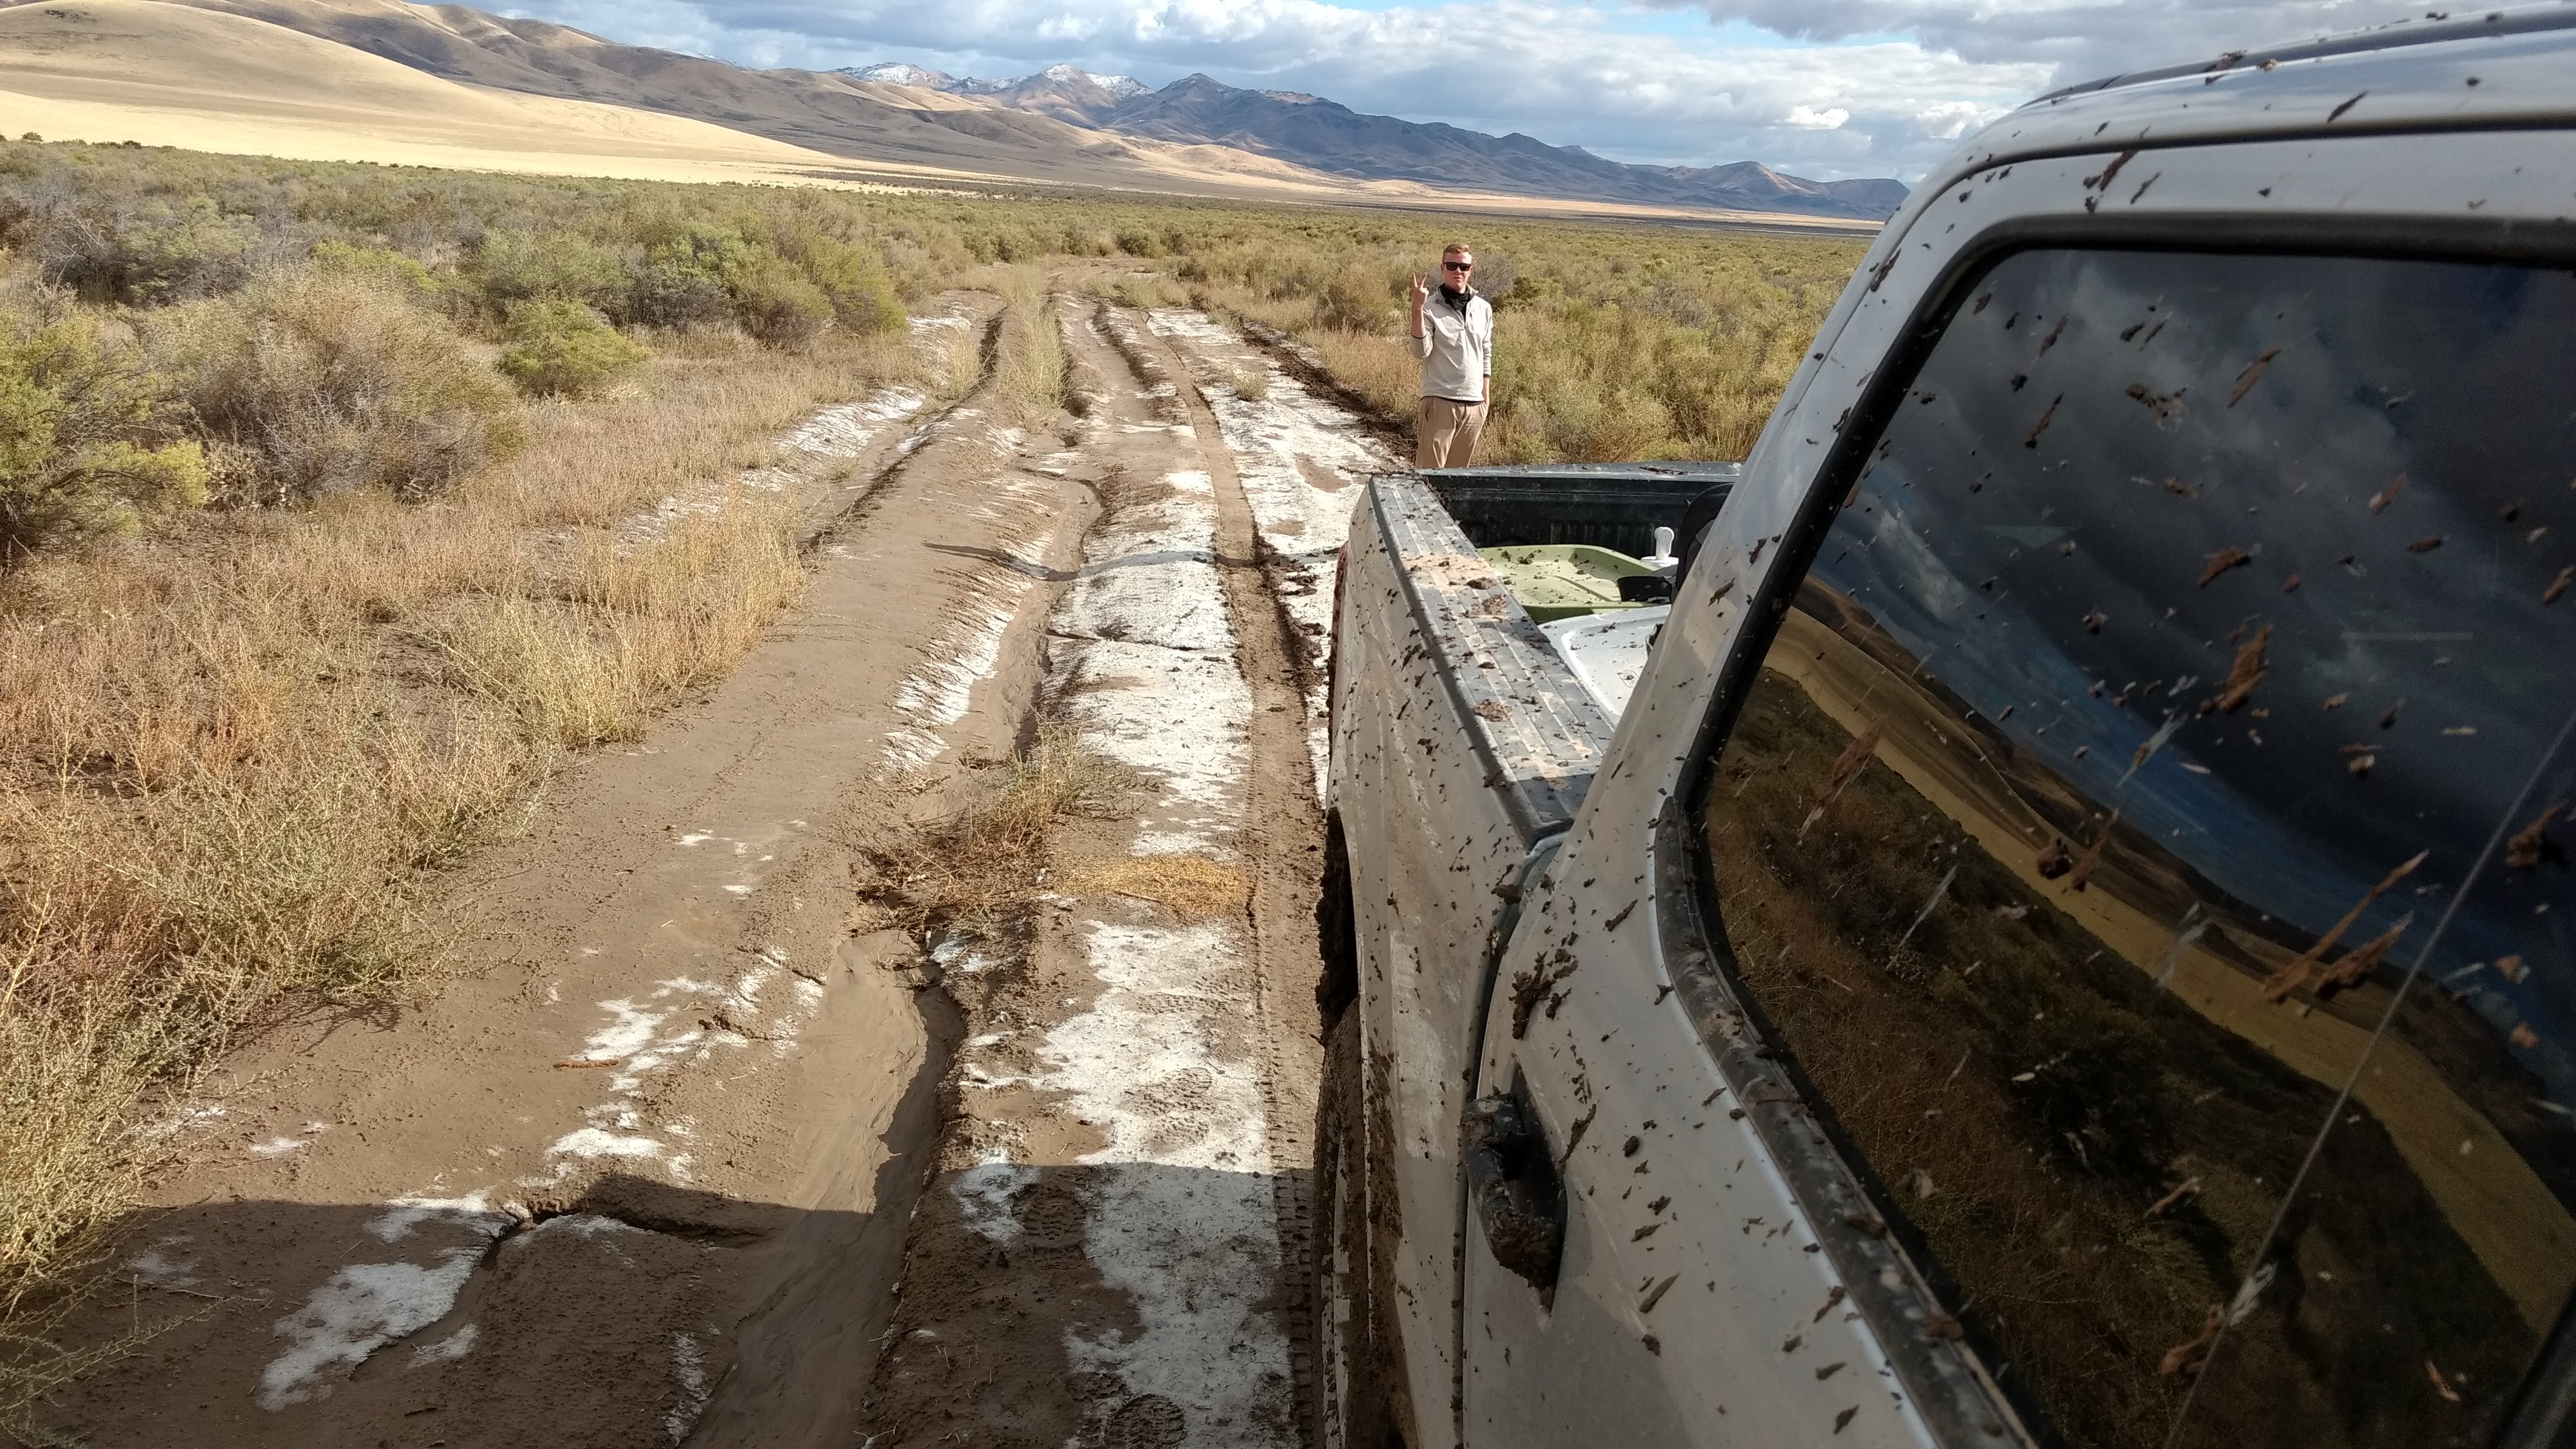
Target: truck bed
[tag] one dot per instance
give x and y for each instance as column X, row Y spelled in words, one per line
column 1614, row 505
column 1462, row 747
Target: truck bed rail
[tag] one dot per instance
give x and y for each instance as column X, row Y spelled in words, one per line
column 1539, row 732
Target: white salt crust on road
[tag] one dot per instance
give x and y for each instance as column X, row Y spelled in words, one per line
column 1184, row 720
column 1182, row 1216
column 366, row 1306
column 1153, row 579
column 846, row 431
column 1285, row 444
column 841, row 431
column 1151, row 672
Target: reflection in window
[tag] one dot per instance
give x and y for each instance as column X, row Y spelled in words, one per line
column 2115, row 798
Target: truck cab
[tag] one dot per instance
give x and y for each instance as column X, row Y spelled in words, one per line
column 2067, row 938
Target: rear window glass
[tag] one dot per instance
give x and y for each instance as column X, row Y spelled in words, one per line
column 2149, row 834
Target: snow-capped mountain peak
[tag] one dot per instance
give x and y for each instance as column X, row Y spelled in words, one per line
column 1116, row 85
column 1053, row 80
column 900, row 73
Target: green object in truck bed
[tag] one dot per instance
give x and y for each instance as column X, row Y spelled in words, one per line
column 1561, row 580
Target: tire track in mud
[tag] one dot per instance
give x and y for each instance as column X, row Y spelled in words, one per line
column 1117, row 1255
column 1300, row 459
column 1288, row 466
column 1303, row 363
column 1107, row 1166
column 1286, row 664
column 678, row 1210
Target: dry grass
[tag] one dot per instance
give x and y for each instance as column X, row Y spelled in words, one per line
column 1375, row 367
column 1194, row 887
column 324, row 380
column 969, row 869
column 706, row 410
column 1611, row 344
column 1031, row 380
column 651, row 618
column 1142, row 290
column 952, row 358
column 227, row 753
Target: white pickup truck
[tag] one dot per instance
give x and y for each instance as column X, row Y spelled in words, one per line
column 2069, row 939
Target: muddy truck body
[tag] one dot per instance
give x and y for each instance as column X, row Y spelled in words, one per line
column 2065, row 936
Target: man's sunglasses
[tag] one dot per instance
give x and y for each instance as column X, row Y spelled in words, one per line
column 1457, row 266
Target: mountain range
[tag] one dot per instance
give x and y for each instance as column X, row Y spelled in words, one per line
column 1327, row 136
column 895, row 122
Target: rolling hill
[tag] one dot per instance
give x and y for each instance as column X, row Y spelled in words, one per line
column 835, row 114
column 169, row 75
column 449, row 85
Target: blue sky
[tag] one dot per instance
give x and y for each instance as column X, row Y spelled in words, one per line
column 1821, row 88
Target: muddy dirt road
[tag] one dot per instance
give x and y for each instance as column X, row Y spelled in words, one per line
column 684, row 1157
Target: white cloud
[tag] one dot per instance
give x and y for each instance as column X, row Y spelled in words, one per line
column 1825, row 88
column 2082, row 39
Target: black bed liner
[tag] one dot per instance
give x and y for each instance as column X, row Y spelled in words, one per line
column 1613, row 505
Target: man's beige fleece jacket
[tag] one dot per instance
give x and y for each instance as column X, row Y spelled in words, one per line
column 1456, row 346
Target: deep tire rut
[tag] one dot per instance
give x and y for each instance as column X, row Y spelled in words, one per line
column 1113, row 1248
column 1287, row 873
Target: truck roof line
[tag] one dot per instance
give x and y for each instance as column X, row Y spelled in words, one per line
column 2436, row 27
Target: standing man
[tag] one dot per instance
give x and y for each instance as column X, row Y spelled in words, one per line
column 1453, row 334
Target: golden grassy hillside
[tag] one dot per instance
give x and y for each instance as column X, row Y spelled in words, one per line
column 162, row 74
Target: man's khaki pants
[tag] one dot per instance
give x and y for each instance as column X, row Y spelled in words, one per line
column 1445, row 433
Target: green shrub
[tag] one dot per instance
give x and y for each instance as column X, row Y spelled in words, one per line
column 89, row 437
column 1358, row 299
column 141, row 251
column 561, row 348
column 380, row 264
column 328, row 381
column 689, row 279
column 868, row 303
column 852, row 277
column 525, row 266
column 676, row 291
column 779, row 304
